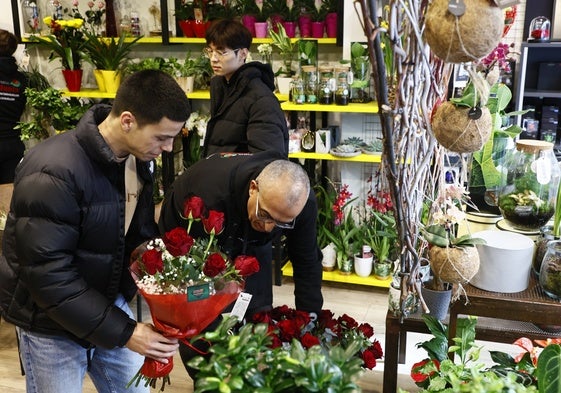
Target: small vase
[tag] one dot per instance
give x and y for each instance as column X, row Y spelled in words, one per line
column 331, row 25
column 186, row 28
column 111, row 80
column 317, row 29
column 290, row 28
column 363, row 266
column 344, row 263
column 261, row 29
column 249, row 22
column 99, row 79
column 305, row 26
column 438, row 302
column 383, row 270
column 73, row 79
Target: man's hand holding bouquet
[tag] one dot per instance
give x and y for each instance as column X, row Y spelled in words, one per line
column 186, row 282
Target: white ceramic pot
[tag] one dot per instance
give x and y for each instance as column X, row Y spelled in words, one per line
column 283, row 84
column 329, row 257
column 363, row 266
column 505, row 261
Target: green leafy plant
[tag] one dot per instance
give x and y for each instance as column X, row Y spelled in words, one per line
column 50, row 113
column 108, row 53
column 317, row 11
column 285, row 47
column 245, row 362
column 185, row 11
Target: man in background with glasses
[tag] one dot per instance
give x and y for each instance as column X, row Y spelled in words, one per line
column 245, row 113
column 261, row 195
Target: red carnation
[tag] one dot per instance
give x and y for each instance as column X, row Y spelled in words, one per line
column 193, row 208
column 178, row 242
column 214, row 265
column 214, row 223
column 152, row 260
column 246, row 265
column 309, row 340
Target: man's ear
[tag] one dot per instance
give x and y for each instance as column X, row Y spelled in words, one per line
column 253, row 187
column 127, row 121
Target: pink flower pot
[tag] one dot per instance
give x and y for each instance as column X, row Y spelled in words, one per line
column 317, row 29
column 249, row 22
column 187, row 28
column 73, row 79
column 261, row 29
column 331, row 25
column 305, row 26
column 290, row 28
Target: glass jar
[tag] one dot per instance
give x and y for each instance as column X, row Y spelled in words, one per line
column 546, row 236
column 527, row 196
column 31, row 16
column 309, row 75
column 550, row 272
column 539, row 30
column 297, row 91
column 342, row 94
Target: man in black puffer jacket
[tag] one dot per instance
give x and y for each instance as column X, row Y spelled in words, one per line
column 245, row 113
column 64, row 281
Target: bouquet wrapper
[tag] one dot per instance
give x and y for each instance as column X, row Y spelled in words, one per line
column 182, row 317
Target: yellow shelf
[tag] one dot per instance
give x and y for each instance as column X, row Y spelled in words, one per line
column 370, row 107
column 336, row 276
column 205, row 95
column 190, row 40
column 376, row 158
column 88, row 93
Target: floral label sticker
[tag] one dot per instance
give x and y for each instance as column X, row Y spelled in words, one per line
column 198, row 292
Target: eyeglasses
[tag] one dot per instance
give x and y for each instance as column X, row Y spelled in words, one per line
column 265, row 217
column 220, row 54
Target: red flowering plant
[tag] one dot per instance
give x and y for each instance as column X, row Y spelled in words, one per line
column 286, row 324
column 186, row 282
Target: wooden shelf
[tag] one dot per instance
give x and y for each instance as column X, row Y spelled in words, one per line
column 336, row 276
column 370, row 107
column 376, row 158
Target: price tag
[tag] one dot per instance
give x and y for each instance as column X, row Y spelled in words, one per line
column 456, row 7
column 240, row 307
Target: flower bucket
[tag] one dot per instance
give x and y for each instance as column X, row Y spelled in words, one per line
column 290, row 28
column 305, row 26
column 465, row 38
column 261, row 29
column 249, row 22
column 111, row 80
column 317, row 29
column 186, row 28
column 331, row 25
column 73, row 79
column 99, row 79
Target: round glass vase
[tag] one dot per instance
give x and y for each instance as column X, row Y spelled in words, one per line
column 527, row 196
column 546, row 236
column 550, row 271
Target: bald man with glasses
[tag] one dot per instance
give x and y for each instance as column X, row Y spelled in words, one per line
column 261, row 194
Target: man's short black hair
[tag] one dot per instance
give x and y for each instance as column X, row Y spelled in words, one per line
column 228, row 33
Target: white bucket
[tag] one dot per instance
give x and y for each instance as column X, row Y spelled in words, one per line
column 505, row 261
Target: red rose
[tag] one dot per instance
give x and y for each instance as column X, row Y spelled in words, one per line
column 155, row 369
column 376, row 348
column 261, row 317
column 152, row 260
column 214, row 265
column 309, row 340
column 246, row 265
column 288, row 330
column 178, row 242
column 366, row 329
column 276, row 342
column 423, row 370
column 347, row 321
column 214, row 223
column 301, row 318
column 369, row 359
column 193, row 208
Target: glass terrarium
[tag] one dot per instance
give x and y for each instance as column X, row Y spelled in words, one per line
column 527, row 196
column 539, row 30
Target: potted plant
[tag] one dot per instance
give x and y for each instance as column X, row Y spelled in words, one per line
column 317, row 11
column 360, row 65
column 285, row 47
column 248, row 10
column 109, row 56
column 185, row 14
column 261, row 17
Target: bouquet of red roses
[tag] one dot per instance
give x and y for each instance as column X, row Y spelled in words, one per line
column 186, row 282
column 286, row 324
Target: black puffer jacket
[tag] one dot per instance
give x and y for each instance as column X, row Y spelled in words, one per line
column 66, row 256
column 245, row 114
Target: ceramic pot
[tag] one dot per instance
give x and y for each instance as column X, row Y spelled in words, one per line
column 331, row 25
column 305, row 26
column 99, row 79
column 73, row 79
column 186, row 83
column 111, row 80
column 249, row 22
column 186, row 28
column 362, row 266
column 383, row 270
column 317, row 29
column 283, row 84
column 344, row 263
column 438, row 302
column 199, row 28
column 275, row 21
column 261, row 29
column 290, row 28
column 329, row 257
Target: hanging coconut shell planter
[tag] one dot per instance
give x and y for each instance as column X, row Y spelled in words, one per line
column 459, row 31
column 456, row 265
column 460, row 128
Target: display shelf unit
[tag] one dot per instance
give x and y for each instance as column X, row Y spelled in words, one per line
column 336, row 276
column 370, row 107
column 373, row 158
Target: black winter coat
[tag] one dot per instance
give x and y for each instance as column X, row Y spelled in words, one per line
column 222, row 181
column 66, row 256
column 245, row 114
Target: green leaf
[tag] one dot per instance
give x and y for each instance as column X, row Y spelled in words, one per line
column 549, row 369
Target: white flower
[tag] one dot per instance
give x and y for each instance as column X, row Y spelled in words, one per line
column 265, row 49
column 198, row 122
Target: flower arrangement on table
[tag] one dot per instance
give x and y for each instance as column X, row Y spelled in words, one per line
column 186, row 282
column 283, row 350
column 66, row 41
column 453, row 259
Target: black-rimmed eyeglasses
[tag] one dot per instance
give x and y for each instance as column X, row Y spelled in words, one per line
column 266, row 217
column 220, row 54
